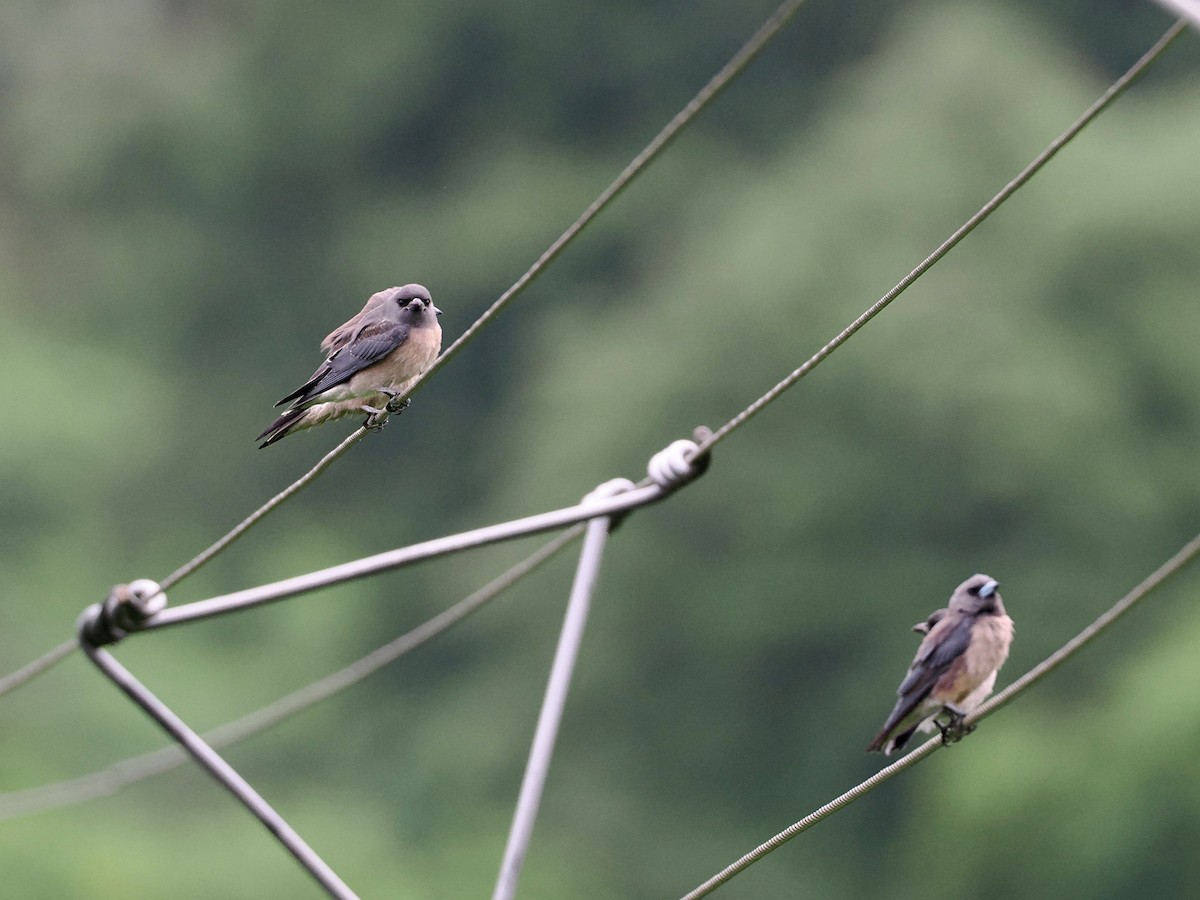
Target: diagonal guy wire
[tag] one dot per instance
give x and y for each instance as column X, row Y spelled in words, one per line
column 555, row 700
column 246, row 524
column 770, row 28
column 636, row 166
column 122, row 774
column 216, row 766
column 29, row 671
column 740, row 865
column 1186, row 554
column 1114, row 91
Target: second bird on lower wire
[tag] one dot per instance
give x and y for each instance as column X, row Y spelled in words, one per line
column 373, row 358
column 955, row 668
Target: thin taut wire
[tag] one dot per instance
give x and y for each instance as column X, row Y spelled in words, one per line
column 1114, row 91
column 242, row 527
column 744, row 56
column 29, row 671
column 1186, row 554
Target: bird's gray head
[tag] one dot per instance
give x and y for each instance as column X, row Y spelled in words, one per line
column 977, row 596
column 414, row 303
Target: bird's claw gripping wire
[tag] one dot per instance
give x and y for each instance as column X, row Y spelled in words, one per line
column 127, row 607
column 953, row 728
column 396, row 406
column 380, row 417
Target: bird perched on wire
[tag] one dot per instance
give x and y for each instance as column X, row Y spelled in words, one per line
column 372, row 359
column 955, row 667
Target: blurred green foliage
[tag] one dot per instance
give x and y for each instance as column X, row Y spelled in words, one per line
column 192, row 194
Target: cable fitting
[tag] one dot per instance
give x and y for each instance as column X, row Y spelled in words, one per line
column 127, row 607
column 680, row 462
column 609, row 489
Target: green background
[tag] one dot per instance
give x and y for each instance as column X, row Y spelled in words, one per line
column 193, row 194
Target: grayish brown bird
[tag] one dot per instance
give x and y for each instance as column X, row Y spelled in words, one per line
column 956, row 665
column 373, row 358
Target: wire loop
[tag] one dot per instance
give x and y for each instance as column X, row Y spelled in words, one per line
column 680, row 462
column 609, row 489
column 128, row 606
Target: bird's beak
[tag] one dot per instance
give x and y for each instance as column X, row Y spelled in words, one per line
column 988, row 589
column 437, row 311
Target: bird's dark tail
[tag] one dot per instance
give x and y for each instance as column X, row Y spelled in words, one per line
column 885, row 740
column 281, row 427
column 887, row 747
column 876, row 745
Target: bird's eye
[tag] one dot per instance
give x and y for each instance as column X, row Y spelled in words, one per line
column 974, row 591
